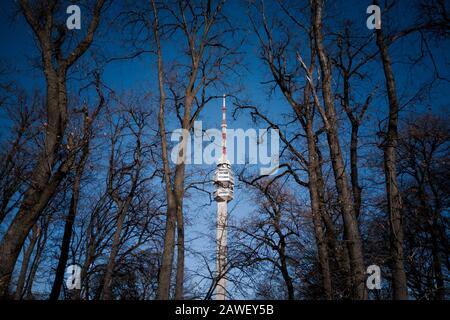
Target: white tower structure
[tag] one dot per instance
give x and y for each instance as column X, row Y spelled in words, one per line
column 224, row 183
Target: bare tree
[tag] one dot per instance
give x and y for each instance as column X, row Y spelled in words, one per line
column 422, row 152
column 84, row 145
column 25, row 262
column 392, row 191
column 276, row 55
column 207, row 55
column 124, row 178
column 272, row 229
column 49, row 169
column 350, row 60
column 18, row 153
column 352, row 233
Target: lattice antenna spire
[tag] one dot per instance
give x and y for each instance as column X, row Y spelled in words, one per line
column 224, row 129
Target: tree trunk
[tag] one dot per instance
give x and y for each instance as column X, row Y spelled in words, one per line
column 67, row 236
column 356, row 189
column 165, row 273
column 179, row 279
column 175, row 189
column 43, row 184
column 393, row 195
column 44, row 178
column 25, row 262
column 350, row 223
column 437, row 268
column 354, row 174
column 107, row 281
column 284, row 268
column 90, row 253
column 42, row 240
column 337, row 251
column 68, row 227
column 316, row 210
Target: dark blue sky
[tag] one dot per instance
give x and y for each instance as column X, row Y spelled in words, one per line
column 19, row 52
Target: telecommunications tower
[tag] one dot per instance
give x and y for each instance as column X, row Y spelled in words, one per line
column 224, row 183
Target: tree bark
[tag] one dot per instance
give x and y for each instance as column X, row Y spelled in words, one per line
column 437, row 267
column 354, row 174
column 355, row 122
column 90, row 255
column 283, row 259
column 68, row 226
column 353, row 239
column 41, row 242
column 394, row 201
column 165, row 272
column 179, row 279
column 340, row 253
column 317, row 212
column 68, row 229
column 25, row 262
column 107, row 281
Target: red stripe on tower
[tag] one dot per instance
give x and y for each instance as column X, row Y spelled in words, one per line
column 224, row 130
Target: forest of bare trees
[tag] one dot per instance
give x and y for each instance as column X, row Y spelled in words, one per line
column 88, row 177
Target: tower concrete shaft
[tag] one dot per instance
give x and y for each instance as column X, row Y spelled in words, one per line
column 221, row 240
